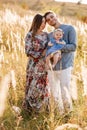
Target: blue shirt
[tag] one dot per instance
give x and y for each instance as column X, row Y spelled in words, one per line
column 69, row 48
column 55, row 47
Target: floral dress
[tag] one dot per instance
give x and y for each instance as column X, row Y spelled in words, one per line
column 36, row 93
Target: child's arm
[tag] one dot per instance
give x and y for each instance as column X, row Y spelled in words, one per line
column 61, row 42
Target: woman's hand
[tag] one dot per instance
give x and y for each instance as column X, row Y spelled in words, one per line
column 44, row 53
column 50, row 44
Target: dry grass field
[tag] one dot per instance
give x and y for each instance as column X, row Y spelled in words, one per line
column 15, row 20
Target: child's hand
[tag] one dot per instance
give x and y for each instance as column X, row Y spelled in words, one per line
column 50, row 44
column 63, row 42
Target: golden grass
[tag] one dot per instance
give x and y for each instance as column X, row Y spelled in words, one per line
column 13, row 30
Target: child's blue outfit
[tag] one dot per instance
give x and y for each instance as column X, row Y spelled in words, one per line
column 55, row 47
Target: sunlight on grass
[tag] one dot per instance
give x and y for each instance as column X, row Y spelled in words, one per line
column 13, row 73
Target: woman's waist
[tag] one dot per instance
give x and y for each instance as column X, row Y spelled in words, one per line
column 36, row 59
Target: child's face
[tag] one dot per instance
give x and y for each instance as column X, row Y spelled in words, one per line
column 58, row 35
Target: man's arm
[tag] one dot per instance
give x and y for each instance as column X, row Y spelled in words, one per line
column 72, row 38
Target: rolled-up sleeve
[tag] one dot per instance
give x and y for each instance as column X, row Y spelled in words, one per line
column 72, row 41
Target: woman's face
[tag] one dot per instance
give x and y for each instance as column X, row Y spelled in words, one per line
column 43, row 24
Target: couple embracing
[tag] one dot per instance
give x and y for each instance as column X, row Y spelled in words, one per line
column 51, row 56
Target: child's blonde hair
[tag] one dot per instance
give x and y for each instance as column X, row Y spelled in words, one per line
column 60, row 30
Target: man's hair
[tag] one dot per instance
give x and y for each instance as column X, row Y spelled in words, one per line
column 49, row 12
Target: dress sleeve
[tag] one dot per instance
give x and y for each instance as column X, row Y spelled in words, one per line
column 30, row 47
column 27, row 44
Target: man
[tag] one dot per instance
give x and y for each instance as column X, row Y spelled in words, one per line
column 62, row 70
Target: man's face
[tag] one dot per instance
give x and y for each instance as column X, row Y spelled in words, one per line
column 51, row 19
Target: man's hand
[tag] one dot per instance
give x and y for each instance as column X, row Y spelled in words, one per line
column 59, row 55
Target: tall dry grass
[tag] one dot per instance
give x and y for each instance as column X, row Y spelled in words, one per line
column 13, row 61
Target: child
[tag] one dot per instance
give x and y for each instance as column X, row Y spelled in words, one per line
column 54, row 48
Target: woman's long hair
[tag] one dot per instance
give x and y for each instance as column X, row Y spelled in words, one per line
column 37, row 21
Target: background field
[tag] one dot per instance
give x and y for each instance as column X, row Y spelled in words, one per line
column 15, row 20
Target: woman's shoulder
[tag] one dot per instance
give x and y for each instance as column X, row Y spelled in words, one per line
column 44, row 33
column 29, row 33
column 28, row 36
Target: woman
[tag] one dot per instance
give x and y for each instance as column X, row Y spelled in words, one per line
column 36, row 93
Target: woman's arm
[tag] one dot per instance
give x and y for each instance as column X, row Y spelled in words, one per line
column 29, row 47
column 35, row 48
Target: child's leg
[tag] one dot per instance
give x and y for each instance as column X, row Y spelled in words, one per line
column 56, row 57
column 48, row 63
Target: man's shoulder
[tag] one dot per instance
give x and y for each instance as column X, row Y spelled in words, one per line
column 67, row 25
